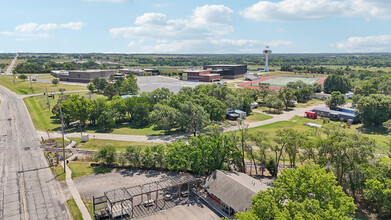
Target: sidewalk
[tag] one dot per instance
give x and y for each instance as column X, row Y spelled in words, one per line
column 72, row 188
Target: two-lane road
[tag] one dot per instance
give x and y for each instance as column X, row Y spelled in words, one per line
column 11, row 66
column 27, row 187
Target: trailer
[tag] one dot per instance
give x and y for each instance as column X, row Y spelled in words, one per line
column 336, row 115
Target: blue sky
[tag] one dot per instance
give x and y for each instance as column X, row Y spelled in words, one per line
column 195, row 26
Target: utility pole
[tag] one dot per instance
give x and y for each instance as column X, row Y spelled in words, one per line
column 62, row 131
column 31, row 84
column 47, row 97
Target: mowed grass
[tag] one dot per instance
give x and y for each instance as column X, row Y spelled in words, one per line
column 80, row 169
column 74, row 209
column 120, row 146
column 23, row 86
column 255, row 116
column 42, row 116
column 59, row 172
column 297, row 123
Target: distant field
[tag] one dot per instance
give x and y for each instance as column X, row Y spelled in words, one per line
column 23, row 87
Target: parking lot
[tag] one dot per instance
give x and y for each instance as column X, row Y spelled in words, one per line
column 96, row 185
column 150, row 83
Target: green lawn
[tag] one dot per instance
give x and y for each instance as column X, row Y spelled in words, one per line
column 120, row 146
column 84, row 168
column 23, row 86
column 75, row 211
column 255, row 116
column 59, row 172
column 297, row 123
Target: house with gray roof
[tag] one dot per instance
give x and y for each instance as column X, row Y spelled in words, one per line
column 234, row 190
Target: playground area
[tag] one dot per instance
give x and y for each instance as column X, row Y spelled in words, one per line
column 277, row 82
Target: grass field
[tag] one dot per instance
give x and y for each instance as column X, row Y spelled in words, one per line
column 255, row 116
column 281, row 81
column 23, row 86
column 84, row 168
column 75, row 211
column 120, row 146
column 297, row 123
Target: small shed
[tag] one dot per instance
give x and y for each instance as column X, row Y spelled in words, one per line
column 235, row 114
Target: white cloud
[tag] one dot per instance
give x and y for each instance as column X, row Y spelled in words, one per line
column 206, row 21
column 301, row 10
column 48, row 27
column 379, row 43
column 33, row 30
column 204, row 31
column 151, row 19
column 27, row 28
column 114, row 1
column 73, row 25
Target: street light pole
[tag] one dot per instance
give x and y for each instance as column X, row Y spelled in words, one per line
column 62, row 131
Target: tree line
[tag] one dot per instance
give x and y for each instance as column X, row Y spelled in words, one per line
column 330, row 168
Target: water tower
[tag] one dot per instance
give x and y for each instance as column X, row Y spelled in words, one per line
column 267, row 52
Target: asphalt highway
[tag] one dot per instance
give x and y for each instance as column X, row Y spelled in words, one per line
column 28, row 189
column 9, row 69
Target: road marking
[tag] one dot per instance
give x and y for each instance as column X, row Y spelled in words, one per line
column 21, row 185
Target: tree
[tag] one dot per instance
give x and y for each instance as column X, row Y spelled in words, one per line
column 101, row 84
column 290, row 141
column 133, row 155
column 262, row 141
column 336, row 83
column 140, row 117
column 109, row 91
column 374, row 109
column 130, row 86
column 55, row 81
column 193, row 117
column 106, row 121
column 378, row 187
column 274, row 102
column 106, row 154
column 344, row 152
column 164, row 117
column 307, row 192
column 22, row 77
column 301, row 90
column 118, row 108
column 96, row 83
column 287, row 96
column 336, row 99
column 91, row 87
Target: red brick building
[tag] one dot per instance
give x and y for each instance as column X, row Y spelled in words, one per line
column 200, row 76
